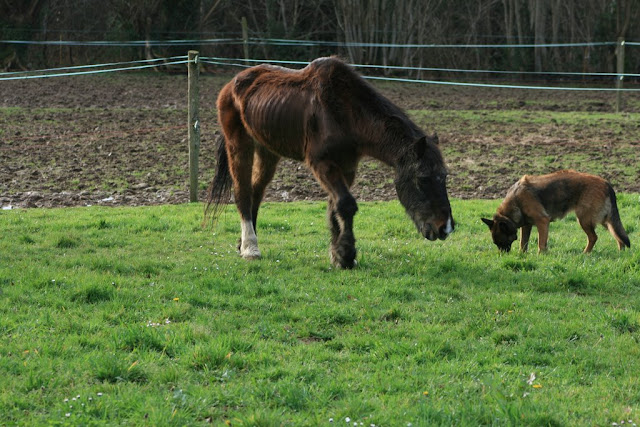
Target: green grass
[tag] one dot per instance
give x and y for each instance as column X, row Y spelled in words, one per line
column 139, row 316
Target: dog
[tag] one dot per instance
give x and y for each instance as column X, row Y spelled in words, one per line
column 539, row 200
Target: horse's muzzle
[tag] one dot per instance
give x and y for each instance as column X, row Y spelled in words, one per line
column 432, row 232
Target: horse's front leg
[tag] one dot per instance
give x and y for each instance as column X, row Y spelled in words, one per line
column 343, row 242
column 334, row 224
column 340, row 212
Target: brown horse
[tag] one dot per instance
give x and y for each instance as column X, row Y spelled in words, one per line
column 329, row 117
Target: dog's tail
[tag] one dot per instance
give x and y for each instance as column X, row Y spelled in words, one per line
column 615, row 225
column 220, row 188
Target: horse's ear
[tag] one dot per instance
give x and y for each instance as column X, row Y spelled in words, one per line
column 434, row 138
column 420, row 147
column 488, row 221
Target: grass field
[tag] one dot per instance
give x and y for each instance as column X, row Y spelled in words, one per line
column 140, row 316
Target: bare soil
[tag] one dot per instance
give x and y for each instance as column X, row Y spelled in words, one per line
column 120, row 139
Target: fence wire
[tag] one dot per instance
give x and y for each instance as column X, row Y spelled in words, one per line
column 36, row 74
column 245, row 63
column 289, row 42
column 241, row 62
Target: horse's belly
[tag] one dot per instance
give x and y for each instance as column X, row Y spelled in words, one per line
column 285, row 144
column 279, row 125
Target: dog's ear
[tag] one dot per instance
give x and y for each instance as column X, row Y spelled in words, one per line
column 487, row 221
column 507, row 227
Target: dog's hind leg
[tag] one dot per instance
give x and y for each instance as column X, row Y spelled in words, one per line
column 543, row 233
column 590, row 229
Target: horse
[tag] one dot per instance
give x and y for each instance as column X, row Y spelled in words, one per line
column 327, row 116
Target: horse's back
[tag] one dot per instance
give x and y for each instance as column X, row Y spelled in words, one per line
column 276, row 106
column 287, row 110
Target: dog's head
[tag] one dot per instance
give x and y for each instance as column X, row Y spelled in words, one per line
column 503, row 231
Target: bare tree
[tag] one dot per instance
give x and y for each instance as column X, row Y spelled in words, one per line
column 21, row 15
column 372, row 30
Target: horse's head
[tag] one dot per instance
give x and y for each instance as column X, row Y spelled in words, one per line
column 421, row 183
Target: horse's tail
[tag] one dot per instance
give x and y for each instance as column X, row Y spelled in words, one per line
column 615, row 224
column 220, row 189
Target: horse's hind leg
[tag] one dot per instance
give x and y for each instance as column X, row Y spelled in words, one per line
column 243, row 195
column 241, row 148
column 264, row 167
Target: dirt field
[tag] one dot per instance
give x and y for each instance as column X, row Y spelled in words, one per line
column 120, row 139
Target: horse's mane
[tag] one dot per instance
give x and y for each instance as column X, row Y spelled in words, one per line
column 341, row 87
column 337, row 77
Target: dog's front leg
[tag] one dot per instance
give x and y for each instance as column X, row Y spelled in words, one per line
column 524, row 239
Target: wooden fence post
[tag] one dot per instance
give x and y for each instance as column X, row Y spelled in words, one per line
column 620, row 71
column 245, row 37
column 194, row 123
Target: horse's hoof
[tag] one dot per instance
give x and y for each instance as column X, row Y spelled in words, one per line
column 251, row 254
column 345, row 266
column 341, row 262
column 349, row 265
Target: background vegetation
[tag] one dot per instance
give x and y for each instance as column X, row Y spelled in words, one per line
column 369, row 21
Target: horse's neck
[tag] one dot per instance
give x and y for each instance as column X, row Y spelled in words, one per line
column 383, row 147
column 385, row 156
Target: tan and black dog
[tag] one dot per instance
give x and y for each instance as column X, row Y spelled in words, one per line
column 538, row 200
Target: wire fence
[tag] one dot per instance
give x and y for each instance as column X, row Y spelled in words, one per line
column 244, row 63
column 247, row 62
column 103, row 68
column 289, row 42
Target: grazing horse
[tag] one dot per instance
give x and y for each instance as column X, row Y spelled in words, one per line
column 327, row 116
